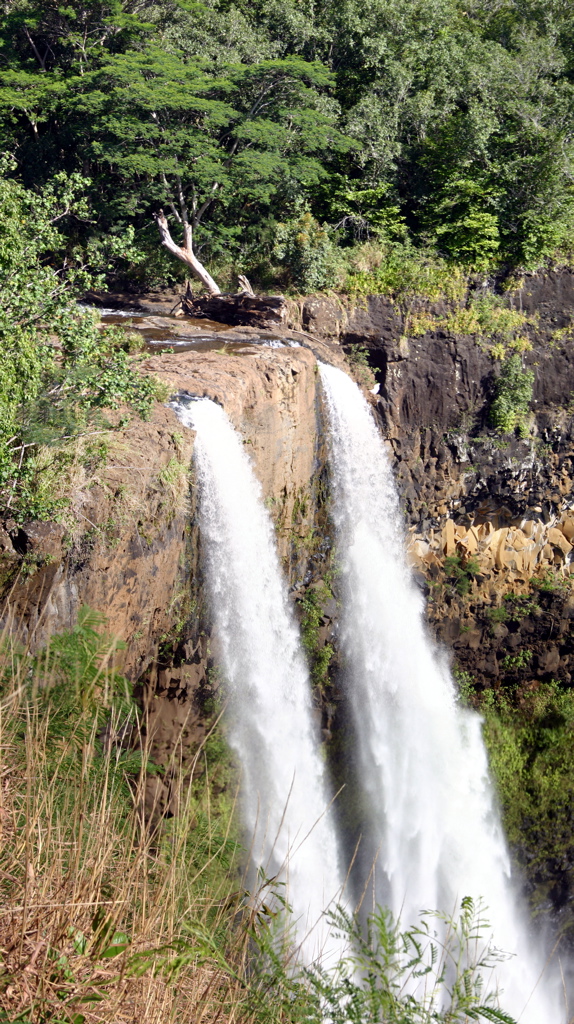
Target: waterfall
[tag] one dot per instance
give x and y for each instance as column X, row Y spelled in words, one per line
column 422, row 764
column 269, row 721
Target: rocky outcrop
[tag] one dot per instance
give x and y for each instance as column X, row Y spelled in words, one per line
column 468, row 493
column 489, row 522
column 130, row 547
column 253, row 310
column 127, row 550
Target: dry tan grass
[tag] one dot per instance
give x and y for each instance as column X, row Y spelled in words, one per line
column 79, row 870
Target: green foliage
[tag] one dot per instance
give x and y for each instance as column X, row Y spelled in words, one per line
column 531, row 757
column 489, row 318
column 447, row 959
column 307, row 252
column 461, row 571
column 358, row 359
column 57, row 364
column 519, row 606
column 551, row 582
column 320, row 654
column 466, row 683
column 497, row 614
column 74, row 689
column 435, row 124
column 464, row 222
column 512, row 396
column 517, row 661
column 405, row 273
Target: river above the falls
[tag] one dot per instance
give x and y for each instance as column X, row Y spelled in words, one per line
column 185, row 334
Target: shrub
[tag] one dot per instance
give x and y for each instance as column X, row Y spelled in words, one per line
column 404, row 274
column 374, row 983
column 512, row 396
column 305, row 248
column 461, row 572
column 358, row 358
column 320, row 655
column 531, row 755
column 57, row 365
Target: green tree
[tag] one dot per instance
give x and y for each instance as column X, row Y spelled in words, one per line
column 512, row 396
column 55, row 360
column 194, row 140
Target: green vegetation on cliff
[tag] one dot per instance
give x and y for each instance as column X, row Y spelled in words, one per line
column 529, row 740
column 57, row 367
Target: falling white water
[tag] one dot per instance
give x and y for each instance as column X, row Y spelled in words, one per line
column 422, row 760
column 270, row 726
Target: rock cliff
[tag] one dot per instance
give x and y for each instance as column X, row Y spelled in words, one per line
column 489, row 519
column 489, row 523
column 130, row 547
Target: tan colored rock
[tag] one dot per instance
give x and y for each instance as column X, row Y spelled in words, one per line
column 558, row 540
column 567, row 527
column 448, row 538
column 130, row 550
column 519, row 540
column 497, row 541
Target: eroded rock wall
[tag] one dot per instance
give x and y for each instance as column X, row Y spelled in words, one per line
column 131, row 547
column 504, row 502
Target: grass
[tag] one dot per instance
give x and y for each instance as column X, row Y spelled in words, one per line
column 102, row 919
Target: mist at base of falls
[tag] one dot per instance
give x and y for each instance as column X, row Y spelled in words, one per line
column 430, row 819
column 285, row 802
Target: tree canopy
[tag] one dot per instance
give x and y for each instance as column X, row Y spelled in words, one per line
column 448, row 123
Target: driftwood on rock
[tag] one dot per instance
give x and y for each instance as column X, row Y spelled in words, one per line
column 242, row 310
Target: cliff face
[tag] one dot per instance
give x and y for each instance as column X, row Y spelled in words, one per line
column 467, row 492
column 489, row 522
column 131, row 546
column 484, row 516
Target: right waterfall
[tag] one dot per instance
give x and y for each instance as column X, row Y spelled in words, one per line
column 430, row 820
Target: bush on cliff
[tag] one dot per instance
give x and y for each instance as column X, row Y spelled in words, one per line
column 512, row 396
column 56, row 364
column 528, row 731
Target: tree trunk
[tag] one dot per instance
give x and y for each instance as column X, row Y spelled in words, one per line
column 185, row 253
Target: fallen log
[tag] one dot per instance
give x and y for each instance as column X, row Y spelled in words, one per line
column 237, row 310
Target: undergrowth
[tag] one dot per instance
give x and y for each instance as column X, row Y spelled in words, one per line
column 101, row 919
column 529, row 736
column 58, row 368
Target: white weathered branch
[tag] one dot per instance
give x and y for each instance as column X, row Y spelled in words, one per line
column 185, row 253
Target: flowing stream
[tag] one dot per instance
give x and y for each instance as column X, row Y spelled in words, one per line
column 285, row 803
column 432, row 823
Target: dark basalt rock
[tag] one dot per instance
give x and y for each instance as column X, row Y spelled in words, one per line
column 237, row 310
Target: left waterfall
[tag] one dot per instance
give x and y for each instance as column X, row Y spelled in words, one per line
column 269, row 718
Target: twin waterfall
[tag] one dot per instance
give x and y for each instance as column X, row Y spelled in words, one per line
column 430, row 823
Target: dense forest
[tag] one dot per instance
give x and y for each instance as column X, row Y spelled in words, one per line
column 291, row 133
